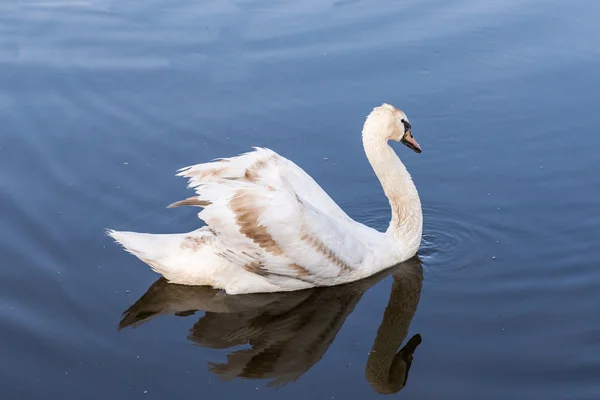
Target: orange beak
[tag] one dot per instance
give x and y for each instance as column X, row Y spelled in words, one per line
column 409, row 141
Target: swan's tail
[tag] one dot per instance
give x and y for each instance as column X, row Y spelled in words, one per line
column 152, row 249
column 163, row 252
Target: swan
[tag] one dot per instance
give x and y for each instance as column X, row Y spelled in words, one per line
column 281, row 336
column 271, row 228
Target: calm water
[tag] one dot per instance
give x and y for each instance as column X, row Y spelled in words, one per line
column 101, row 101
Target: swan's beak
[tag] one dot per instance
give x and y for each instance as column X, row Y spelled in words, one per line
column 409, row 141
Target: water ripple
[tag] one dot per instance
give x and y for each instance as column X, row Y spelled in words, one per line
column 454, row 240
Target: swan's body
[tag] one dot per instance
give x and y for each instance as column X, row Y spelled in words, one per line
column 271, row 227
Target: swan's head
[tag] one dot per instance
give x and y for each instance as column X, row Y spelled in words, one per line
column 391, row 123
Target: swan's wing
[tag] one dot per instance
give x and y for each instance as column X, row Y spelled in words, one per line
column 272, row 231
column 262, row 167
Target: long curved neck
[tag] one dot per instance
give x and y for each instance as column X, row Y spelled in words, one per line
column 406, row 225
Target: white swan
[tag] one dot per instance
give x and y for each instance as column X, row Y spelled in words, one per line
column 271, row 227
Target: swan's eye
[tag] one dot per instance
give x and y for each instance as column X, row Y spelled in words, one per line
column 406, row 124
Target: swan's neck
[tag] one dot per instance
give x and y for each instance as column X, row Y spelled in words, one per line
column 406, row 225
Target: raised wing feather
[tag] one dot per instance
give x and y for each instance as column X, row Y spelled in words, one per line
column 266, row 168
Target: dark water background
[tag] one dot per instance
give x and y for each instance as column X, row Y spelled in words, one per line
column 101, row 101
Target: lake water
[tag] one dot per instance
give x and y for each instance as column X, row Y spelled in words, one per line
column 101, row 101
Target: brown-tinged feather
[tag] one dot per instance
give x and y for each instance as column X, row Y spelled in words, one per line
column 211, row 173
column 190, row 201
column 300, row 270
column 256, row 268
column 320, row 247
column 195, row 242
column 246, row 217
column 252, row 171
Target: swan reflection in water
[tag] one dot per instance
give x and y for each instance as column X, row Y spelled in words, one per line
column 289, row 332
